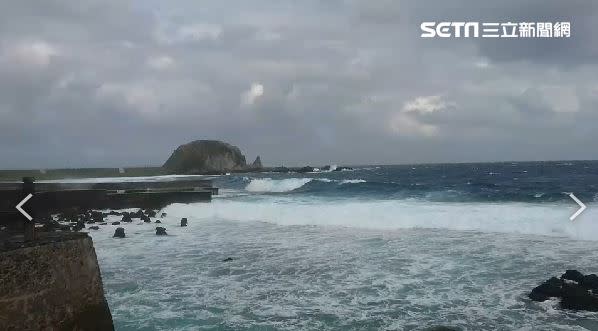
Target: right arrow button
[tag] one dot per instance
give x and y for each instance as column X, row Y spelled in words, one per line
column 582, row 207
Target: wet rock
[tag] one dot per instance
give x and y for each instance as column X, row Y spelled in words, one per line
column 150, row 213
column 103, row 223
column 163, row 215
column 119, row 233
column 441, row 328
column 590, row 282
column 578, row 298
column 95, row 227
column 115, row 223
column 577, row 292
column 126, row 218
column 138, row 214
column 573, row 275
column 79, row 226
column 146, row 219
column 228, row 259
column 184, row 221
column 160, row 231
column 343, row 168
column 158, row 221
column 548, row 289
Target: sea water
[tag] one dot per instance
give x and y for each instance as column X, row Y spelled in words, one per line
column 376, row 248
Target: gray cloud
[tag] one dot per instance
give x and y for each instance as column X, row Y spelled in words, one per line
column 112, row 83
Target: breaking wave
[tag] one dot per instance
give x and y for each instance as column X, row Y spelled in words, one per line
column 521, row 218
column 276, row 185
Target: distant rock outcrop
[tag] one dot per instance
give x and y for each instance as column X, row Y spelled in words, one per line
column 257, row 164
column 206, row 156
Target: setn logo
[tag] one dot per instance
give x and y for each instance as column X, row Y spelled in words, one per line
column 450, row 29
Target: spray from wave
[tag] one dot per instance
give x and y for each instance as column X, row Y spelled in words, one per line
column 535, row 219
column 276, row 186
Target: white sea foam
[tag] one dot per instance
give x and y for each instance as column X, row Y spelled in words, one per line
column 523, row 218
column 276, row 185
column 352, row 181
column 123, row 179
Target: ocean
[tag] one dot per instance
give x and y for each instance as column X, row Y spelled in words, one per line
column 375, row 248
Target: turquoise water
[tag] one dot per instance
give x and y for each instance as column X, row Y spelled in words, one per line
column 336, row 261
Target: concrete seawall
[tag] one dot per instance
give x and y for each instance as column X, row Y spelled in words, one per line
column 53, row 285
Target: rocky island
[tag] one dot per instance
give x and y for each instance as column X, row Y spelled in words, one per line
column 209, row 157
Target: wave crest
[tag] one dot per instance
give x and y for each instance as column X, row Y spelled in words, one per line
column 276, row 185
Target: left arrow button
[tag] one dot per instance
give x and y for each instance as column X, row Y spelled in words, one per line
column 20, row 207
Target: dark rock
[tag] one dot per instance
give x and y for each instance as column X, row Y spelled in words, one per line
column 578, row 298
column 548, row 289
column 163, row 215
column 184, row 221
column 119, row 233
column 146, row 219
column 115, row 223
column 326, row 168
column 95, row 227
column 158, row 221
column 441, row 328
column 590, row 282
column 306, row 169
column 160, row 231
column 150, row 213
column 79, row 226
column 257, row 164
column 575, row 290
column 96, row 216
column 138, row 214
column 281, row 169
column 206, row 156
column 103, row 223
column 228, row 259
column 343, row 168
column 114, row 213
column 126, row 218
column 573, row 275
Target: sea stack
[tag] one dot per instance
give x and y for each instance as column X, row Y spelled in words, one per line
column 206, row 157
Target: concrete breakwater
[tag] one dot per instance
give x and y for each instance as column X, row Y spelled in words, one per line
column 52, row 284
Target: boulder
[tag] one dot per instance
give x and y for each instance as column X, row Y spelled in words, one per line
column 158, row 221
column 160, row 231
column 79, row 226
column 93, row 227
column 590, row 282
column 163, row 215
column 146, row 219
column 150, row 213
column 103, row 223
column 115, row 223
column 119, row 233
column 573, row 275
column 577, row 292
column 578, row 298
column 228, row 259
column 205, row 157
column 343, row 168
column 126, row 218
column 138, row 214
column 548, row 289
column 184, row 221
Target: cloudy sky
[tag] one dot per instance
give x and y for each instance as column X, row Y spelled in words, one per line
column 121, row 83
